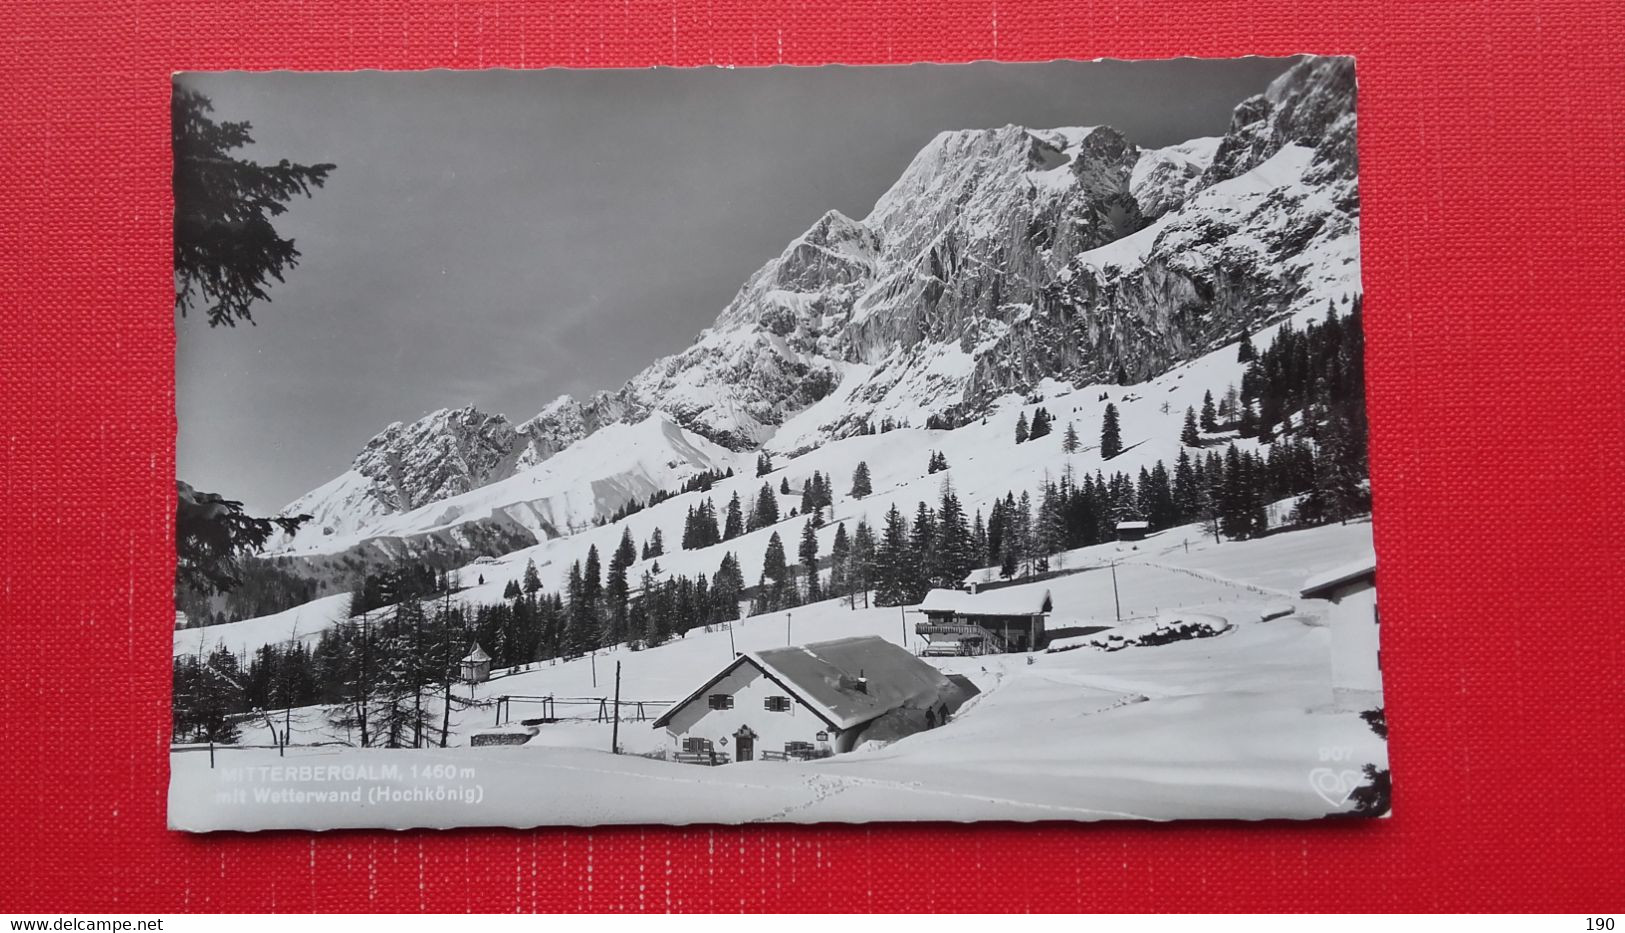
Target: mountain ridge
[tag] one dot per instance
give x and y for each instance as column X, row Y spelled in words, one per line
column 999, row 258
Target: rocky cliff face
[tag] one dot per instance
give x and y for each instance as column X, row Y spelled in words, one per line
column 443, row 454
column 1165, row 178
column 999, row 258
column 1311, row 105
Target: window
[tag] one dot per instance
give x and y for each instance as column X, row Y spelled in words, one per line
column 722, row 701
column 798, row 749
column 692, row 744
column 777, row 704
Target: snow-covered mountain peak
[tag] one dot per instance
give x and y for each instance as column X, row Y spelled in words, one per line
column 444, row 453
column 1311, row 105
column 1163, row 178
column 999, row 261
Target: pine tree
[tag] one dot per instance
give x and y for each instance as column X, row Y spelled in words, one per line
column 1210, row 420
column 734, row 525
column 1249, row 421
column 1230, row 405
column 592, row 592
column 1235, row 513
column 214, row 697
column 355, row 680
column 955, row 549
column 618, row 590
column 863, row 573
column 920, row 554
column 1022, row 533
column 979, row 540
column 691, row 530
column 1245, row 353
column 727, row 587
column 764, row 464
column 1040, row 425
column 891, row 560
column 709, row 534
column 576, row 636
column 1069, row 443
column 840, row 559
column 1157, row 499
column 1189, row 436
column 809, row 561
column 1186, row 491
column 766, row 510
column 657, row 542
column 226, row 250
column 860, row 480
column 773, row 588
column 1111, row 438
column 1021, row 429
column 646, row 625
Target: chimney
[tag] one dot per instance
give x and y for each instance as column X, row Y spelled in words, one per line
column 863, row 682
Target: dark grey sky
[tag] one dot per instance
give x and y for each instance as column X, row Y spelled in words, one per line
column 501, row 237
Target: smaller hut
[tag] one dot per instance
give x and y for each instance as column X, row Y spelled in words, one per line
column 476, row 665
column 1133, row 531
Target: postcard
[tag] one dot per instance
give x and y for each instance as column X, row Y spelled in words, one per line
column 842, row 444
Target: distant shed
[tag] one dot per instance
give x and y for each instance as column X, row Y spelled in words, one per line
column 1133, row 531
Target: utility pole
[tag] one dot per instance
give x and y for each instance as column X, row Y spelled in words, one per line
column 615, row 730
column 787, row 640
column 593, row 654
column 732, row 652
column 1115, row 599
column 902, row 615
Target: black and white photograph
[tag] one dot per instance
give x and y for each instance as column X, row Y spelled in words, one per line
column 794, row 444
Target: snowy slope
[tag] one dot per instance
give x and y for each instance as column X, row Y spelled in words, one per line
column 1231, row 726
column 540, row 500
column 303, row 623
column 984, row 465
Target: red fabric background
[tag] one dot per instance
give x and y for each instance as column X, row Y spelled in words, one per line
column 1493, row 180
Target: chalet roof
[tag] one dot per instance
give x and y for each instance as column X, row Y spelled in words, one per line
column 476, row 655
column 824, row 676
column 1008, row 601
column 1132, row 526
column 1321, row 584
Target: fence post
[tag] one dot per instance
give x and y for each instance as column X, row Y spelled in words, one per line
column 615, row 731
